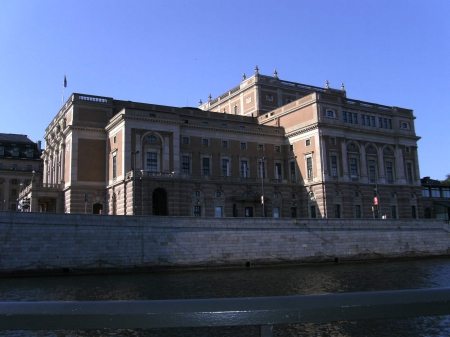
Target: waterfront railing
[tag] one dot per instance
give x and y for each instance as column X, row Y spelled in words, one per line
column 264, row 312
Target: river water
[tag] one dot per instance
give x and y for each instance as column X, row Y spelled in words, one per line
column 251, row 282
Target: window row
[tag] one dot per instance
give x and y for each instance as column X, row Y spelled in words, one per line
column 16, row 167
column 249, row 212
column 353, row 118
column 436, row 192
column 15, row 152
column 372, row 168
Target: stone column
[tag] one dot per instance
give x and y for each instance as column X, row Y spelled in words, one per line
column 399, row 166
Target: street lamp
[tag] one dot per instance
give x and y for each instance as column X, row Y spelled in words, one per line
column 262, row 186
column 134, row 181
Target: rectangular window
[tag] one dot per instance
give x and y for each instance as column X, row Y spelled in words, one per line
column 353, row 168
column 225, row 167
column 332, row 141
column 368, row 120
column 186, row 164
column 337, row 211
column 292, row 170
column 224, row 143
column 205, row 142
column 205, row 123
column 197, row 211
column 309, row 168
column 445, row 192
column 224, row 126
column 390, row 123
column 205, row 167
column 385, row 123
column 373, row 121
column 276, row 212
column 435, row 193
column 277, row 149
column 29, row 167
column 363, row 119
column 372, row 170
column 389, row 171
column 357, row 211
column 355, row 118
column 308, row 142
column 152, row 162
column 334, row 167
column 344, row 116
column 14, row 167
column 262, row 169
column 244, row 169
column 349, row 117
column 409, row 172
column 114, row 167
column 291, row 147
column 243, row 146
column 185, row 140
column 218, row 211
column 241, row 127
column 425, row 192
column 260, row 147
column 278, row 171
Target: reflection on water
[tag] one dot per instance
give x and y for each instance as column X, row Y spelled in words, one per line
column 300, row 280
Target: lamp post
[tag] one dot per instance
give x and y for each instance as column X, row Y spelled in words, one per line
column 262, row 186
column 134, row 181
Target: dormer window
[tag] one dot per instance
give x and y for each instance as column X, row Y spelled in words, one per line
column 2, row 151
column 15, row 152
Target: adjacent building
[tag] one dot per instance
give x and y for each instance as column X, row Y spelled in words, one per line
column 267, row 147
column 436, row 199
column 20, row 164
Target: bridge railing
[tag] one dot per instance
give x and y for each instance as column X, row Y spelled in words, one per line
column 259, row 311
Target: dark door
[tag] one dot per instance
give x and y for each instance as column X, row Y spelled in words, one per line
column 159, row 202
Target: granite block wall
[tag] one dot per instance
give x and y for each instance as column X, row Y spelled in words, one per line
column 46, row 242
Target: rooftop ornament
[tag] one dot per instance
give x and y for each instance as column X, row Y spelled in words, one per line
column 244, row 76
column 327, row 85
column 275, row 74
column 200, row 102
column 256, row 70
column 209, row 98
column 342, row 87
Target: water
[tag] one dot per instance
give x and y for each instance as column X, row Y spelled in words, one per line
column 300, row 280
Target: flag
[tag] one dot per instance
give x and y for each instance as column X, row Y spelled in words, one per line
column 65, row 82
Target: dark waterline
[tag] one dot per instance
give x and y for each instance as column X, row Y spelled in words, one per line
column 300, row 280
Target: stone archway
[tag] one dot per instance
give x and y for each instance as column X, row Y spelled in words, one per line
column 159, row 202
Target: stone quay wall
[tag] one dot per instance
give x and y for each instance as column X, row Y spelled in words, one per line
column 39, row 243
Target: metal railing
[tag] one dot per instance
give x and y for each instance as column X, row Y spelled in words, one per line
column 260, row 311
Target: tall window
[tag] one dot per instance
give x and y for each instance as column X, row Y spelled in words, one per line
column 244, row 168
column 368, row 120
column 292, row 170
column 225, row 167
column 262, row 169
column 435, row 193
column 205, row 167
column 413, row 212
column 349, row 118
column 372, row 171
column 409, row 172
column 197, row 211
column 355, row 118
column 152, row 162
column 309, row 168
column 353, row 168
column 278, row 171
column 334, row 167
column 389, row 171
column 276, row 212
column 114, row 166
column 393, row 212
column 186, row 164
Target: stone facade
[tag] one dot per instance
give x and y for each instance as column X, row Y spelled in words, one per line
column 306, row 152
column 43, row 242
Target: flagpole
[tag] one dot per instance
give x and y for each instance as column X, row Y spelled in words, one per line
column 64, row 86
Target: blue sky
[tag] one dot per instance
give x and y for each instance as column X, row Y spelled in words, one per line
column 175, row 53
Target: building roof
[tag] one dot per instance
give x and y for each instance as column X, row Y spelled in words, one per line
column 12, row 137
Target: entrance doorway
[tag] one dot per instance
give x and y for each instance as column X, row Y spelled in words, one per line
column 249, row 212
column 159, row 202
column 97, row 208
